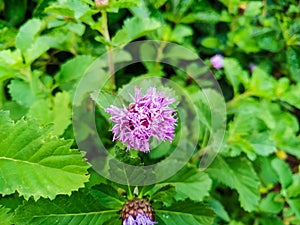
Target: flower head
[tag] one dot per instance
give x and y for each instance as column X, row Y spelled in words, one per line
column 137, row 211
column 217, row 61
column 140, row 220
column 251, row 67
column 148, row 116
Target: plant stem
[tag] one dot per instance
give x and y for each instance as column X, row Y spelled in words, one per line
column 160, row 54
column 110, row 56
column 2, row 94
column 264, row 12
column 238, row 98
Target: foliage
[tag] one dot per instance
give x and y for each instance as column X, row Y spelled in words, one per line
column 50, row 48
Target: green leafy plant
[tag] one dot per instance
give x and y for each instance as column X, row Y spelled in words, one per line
column 65, row 62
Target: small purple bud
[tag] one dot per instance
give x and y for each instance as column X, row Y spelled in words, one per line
column 217, row 61
column 251, row 67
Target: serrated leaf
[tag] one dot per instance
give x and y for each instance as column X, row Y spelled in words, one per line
column 37, row 164
column 233, row 72
column 39, row 46
column 27, row 34
column 185, row 212
column 71, row 8
column 134, row 28
column 21, row 92
column 74, row 68
column 11, row 58
column 107, row 196
column 6, row 73
column 5, row 216
column 189, row 182
column 79, row 208
column 237, row 173
column 49, row 111
column 283, row 171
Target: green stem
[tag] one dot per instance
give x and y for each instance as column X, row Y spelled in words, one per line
column 130, row 195
column 160, row 53
column 238, row 98
column 264, row 12
column 2, row 94
column 110, row 56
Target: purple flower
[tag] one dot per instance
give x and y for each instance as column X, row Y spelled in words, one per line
column 148, row 116
column 141, row 219
column 251, row 67
column 217, row 61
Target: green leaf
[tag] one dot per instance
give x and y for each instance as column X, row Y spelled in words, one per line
column 134, row 28
column 219, row 209
column 211, row 42
column 164, row 195
column 11, row 201
column 35, row 163
column 22, row 93
column 5, row 216
column 294, row 64
column 6, row 73
column 27, row 33
column 107, row 196
column 294, row 190
column 185, row 212
column 104, row 100
column 180, row 32
column 265, row 171
column 295, row 206
column 253, row 8
column 74, row 68
column 189, row 182
column 15, row 11
column 7, row 35
column 272, row 203
column 267, row 219
column 71, row 8
column 270, row 42
column 292, row 95
column 49, row 111
column 79, row 208
column 204, row 16
column 234, row 73
column 283, row 171
column 11, row 58
column 39, row 46
column 243, row 38
column 238, row 174
column 261, row 84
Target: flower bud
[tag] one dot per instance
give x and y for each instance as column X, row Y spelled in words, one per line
column 137, row 211
column 101, row 3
